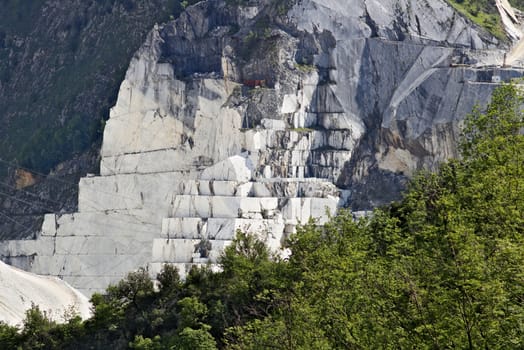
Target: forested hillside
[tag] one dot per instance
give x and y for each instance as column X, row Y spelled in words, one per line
column 443, row 268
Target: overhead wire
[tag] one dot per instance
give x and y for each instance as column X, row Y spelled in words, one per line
column 29, row 193
column 23, row 201
column 106, row 224
column 50, row 210
column 113, row 194
column 95, row 208
column 26, row 203
column 16, row 222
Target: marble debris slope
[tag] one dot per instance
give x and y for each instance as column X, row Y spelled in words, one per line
column 259, row 117
column 19, row 290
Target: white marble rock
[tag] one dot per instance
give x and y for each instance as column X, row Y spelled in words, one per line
column 188, row 161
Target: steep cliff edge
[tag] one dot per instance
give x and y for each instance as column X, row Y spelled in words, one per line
column 399, row 75
column 396, row 76
column 247, row 116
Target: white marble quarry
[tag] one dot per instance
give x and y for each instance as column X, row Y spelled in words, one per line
column 176, row 251
column 192, row 206
column 290, row 104
column 157, row 161
column 201, row 144
column 336, row 139
column 300, row 210
column 74, row 245
column 93, row 265
column 273, row 124
column 218, row 188
column 184, row 228
column 131, row 191
column 139, row 224
column 225, row 229
column 214, row 234
column 223, row 206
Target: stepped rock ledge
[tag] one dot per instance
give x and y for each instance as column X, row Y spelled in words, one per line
column 260, row 116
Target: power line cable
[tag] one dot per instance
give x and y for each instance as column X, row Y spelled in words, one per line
column 95, row 208
column 29, row 193
column 94, row 211
column 106, row 224
column 25, row 202
column 16, row 222
column 113, row 194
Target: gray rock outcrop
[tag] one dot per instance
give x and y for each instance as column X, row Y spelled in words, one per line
column 258, row 117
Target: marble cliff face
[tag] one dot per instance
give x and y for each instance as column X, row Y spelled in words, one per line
column 259, row 117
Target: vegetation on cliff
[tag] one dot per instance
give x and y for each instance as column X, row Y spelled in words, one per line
column 485, row 14
column 443, row 268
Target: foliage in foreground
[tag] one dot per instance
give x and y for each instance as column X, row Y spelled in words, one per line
column 444, row 268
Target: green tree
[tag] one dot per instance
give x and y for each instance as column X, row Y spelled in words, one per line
column 444, row 268
column 195, row 339
column 9, row 336
column 37, row 330
column 141, row 343
column 458, row 260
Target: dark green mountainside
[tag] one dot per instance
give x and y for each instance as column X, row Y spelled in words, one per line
column 61, row 64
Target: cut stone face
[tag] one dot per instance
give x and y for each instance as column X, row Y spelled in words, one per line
column 236, row 168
